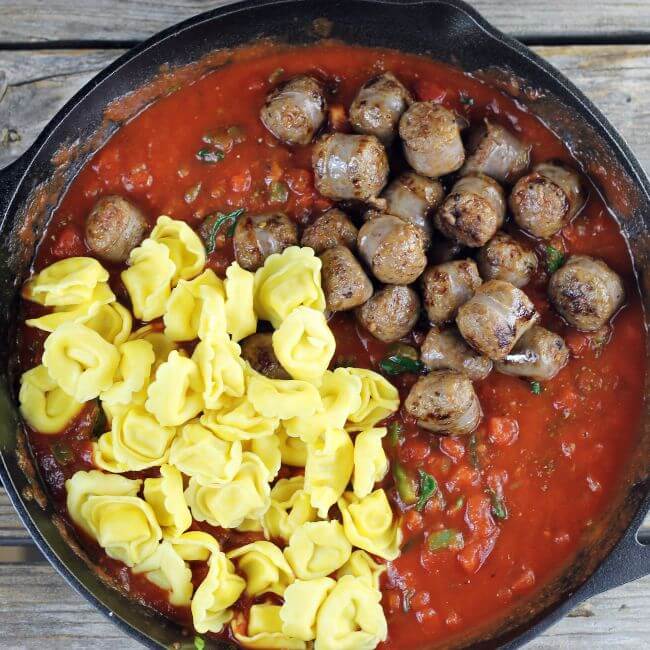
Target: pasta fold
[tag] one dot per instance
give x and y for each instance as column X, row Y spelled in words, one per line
column 290, row 508
column 185, row 248
column 238, row 419
column 264, row 566
column 165, row 496
column 370, row 461
column 379, row 398
column 265, row 630
column 136, row 361
column 283, row 398
column 302, row 600
column 241, row 318
column 361, row 565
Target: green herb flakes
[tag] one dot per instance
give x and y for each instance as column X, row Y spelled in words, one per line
column 199, row 643
column 554, row 259
column 395, row 432
column 215, row 222
column 499, row 509
column 447, row 538
column 428, row 487
column 396, row 364
column 210, row 155
column 535, row 388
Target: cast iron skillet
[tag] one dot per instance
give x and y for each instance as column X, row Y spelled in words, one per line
column 447, row 30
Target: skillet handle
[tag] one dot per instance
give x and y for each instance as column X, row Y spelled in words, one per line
column 630, row 560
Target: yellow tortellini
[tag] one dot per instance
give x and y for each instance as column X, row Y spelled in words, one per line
column 238, row 419
column 137, row 440
column 165, row 496
column 112, row 322
column 212, row 321
column 290, row 508
column 247, row 496
column 102, row 296
column 379, row 398
column 264, row 630
column 195, row 546
column 302, row 600
column 369, row 524
column 104, row 453
column 240, row 314
column 293, row 451
column 80, row 361
column 65, row 283
column 283, row 398
column 185, row 306
column 160, row 344
column 149, row 279
column 317, row 549
column 124, row 526
column 222, row 370
column 44, row 406
column 340, row 393
column 304, row 344
column 286, row 281
column 136, row 361
column 351, row 618
column 329, row 467
column 176, row 394
column 267, row 449
column 361, row 565
column 167, row 569
column 264, row 566
column 185, row 247
column 201, row 454
column 370, row 461
column 219, row 590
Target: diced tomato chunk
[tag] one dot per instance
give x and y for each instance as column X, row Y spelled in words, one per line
column 452, row 448
column 577, row 342
column 503, row 431
column 413, row 521
column 69, row 243
column 415, row 449
column 478, row 515
column 567, row 400
column 241, row 182
column 429, row 91
column 420, row 600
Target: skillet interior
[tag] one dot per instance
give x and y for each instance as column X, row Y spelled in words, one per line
column 433, row 28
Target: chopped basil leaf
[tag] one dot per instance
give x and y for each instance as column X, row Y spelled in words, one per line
column 219, row 219
column 466, row 99
column 62, row 453
column 210, row 155
column 395, row 431
column 445, row 538
column 278, row 192
column 428, row 487
column 396, row 364
column 499, row 509
column 535, row 388
column 554, row 259
column 199, row 643
column 405, row 485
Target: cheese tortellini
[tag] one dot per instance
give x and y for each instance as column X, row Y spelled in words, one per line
column 264, row 566
column 219, row 590
column 304, row 344
column 43, row 404
column 81, row 362
column 283, row 398
column 293, row 451
column 361, row 565
column 369, row 524
column 379, row 398
column 240, row 313
column 290, row 508
column 185, row 248
column 246, row 496
column 68, row 282
column 351, row 618
column 167, row 570
column 329, row 467
column 165, row 496
column 176, row 394
column 238, row 419
column 136, row 361
column 286, row 281
column 149, row 279
column 302, row 601
column 370, row 461
column 317, row 549
column 265, row 630
column 204, row 456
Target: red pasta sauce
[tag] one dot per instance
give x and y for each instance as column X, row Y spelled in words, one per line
column 541, row 467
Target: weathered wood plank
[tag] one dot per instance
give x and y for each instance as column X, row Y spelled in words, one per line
column 38, row 610
column 35, row 84
column 38, row 21
column 11, row 527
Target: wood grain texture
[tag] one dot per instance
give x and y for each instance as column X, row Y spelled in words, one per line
column 34, row 21
column 38, row 82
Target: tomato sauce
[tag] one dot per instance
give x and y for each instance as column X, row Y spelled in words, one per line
column 546, row 460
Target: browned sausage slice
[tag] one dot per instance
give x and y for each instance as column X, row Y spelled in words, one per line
column 391, row 313
column 259, row 235
column 345, row 283
column 504, row 258
column 332, row 228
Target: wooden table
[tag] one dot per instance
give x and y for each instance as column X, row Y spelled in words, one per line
column 50, row 48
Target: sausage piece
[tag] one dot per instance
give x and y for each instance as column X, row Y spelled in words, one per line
column 496, row 152
column 257, row 349
column 349, row 166
column 445, row 349
column 494, row 319
column 414, row 198
column 378, row 106
column 295, row 110
column 431, row 139
column 391, row 313
column 345, row 283
column 259, row 235
column 444, row 402
column 546, row 200
column 539, row 355
column 114, row 228
column 473, row 211
column 332, row 228
column 445, row 287
column 504, row 258
column 392, row 248
column 586, row 292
